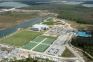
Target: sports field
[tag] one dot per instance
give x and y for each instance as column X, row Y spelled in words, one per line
column 41, row 48
column 29, row 40
column 41, row 43
column 20, row 38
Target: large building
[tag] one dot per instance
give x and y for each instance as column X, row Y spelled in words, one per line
column 39, row 27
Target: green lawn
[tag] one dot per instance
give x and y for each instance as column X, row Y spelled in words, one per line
column 20, row 38
column 41, row 48
column 67, row 53
column 49, row 21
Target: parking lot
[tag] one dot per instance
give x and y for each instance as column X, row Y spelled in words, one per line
column 64, row 33
column 58, row 46
column 58, row 30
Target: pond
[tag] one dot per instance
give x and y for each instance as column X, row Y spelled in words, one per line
column 83, row 34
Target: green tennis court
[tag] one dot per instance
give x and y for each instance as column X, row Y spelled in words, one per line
column 30, row 46
column 38, row 39
column 41, row 48
column 49, row 41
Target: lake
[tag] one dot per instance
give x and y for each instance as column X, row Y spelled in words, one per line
column 72, row 2
column 87, row 5
column 13, row 4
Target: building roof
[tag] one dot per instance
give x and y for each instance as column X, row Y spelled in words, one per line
column 39, row 25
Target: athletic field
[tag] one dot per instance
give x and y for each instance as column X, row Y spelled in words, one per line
column 20, row 38
column 29, row 40
column 40, row 43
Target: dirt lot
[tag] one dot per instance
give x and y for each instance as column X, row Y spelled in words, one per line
column 8, row 19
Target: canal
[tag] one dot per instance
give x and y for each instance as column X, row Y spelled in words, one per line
column 25, row 24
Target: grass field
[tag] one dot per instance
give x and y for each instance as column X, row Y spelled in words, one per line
column 21, row 38
column 49, row 22
column 67, row 53
column 42, row 46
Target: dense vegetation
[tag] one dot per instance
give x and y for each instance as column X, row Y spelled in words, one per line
column 88, row 2
column 76, row 13
column 84, row 43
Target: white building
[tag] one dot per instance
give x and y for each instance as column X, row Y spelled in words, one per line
column 39, row 27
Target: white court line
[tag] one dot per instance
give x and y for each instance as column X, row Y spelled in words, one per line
column 46, row 44
column 38, row 44
column 33, row 42
column 30, row 41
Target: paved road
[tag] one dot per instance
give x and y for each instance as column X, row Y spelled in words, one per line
column 76, row 54
column 55, row 50
column 58, row 46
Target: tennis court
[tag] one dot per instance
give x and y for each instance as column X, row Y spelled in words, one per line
column 41, row 48
column 40, row 43
column 38, row 39
column 49, row 41
column 29, row 46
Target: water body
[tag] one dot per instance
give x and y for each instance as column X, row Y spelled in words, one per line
column 87, row 5
column 25, row 24
column 72, row 2
column 13, row 4
column 83, row 34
